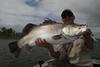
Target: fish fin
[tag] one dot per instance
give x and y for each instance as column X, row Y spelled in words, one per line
column 14, row 49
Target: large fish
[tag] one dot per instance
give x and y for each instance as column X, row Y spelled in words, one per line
column 55, row 34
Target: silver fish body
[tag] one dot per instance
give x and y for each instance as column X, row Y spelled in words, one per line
column 55, row 34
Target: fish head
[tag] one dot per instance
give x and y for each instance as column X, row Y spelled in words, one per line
column 73, row 30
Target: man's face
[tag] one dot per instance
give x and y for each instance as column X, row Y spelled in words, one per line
column 68, row 19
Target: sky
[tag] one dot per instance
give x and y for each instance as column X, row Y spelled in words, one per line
column 17, row 13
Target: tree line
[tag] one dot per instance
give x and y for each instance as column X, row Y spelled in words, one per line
column 8, row 33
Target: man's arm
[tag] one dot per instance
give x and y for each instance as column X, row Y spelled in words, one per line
column 89, row 41
column 43, row 43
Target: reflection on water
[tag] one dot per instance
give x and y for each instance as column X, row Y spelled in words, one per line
column 27, row 59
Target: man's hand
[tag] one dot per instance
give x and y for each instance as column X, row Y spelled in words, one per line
column 87, row 34
column 43, row 43
column 89, row 42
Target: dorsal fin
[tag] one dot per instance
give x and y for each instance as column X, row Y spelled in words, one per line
column 28, row 28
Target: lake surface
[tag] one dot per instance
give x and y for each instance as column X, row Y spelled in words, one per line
column 28, row 59
column 24, row 60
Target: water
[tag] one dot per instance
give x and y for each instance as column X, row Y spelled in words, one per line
column 26, row 59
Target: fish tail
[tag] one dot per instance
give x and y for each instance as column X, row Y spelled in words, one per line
column 14, row 49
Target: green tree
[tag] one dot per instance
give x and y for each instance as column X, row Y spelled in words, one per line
column 7, row 33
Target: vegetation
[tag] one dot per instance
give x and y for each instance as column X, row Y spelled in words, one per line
column 8, row 33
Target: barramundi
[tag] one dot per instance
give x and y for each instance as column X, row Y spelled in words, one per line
column 56, row 34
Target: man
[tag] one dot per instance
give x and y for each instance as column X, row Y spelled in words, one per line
column 68, row 19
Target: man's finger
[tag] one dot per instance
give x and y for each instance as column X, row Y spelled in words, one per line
column 37, row 42
column 40, row 41
column 45, row 41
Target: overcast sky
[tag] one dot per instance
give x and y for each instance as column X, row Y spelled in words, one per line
column 17, row 13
